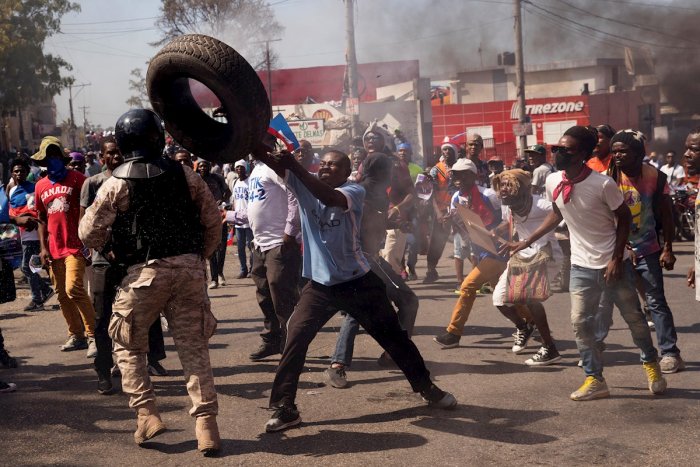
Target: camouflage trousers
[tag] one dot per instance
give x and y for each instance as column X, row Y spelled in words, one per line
column 176, row 287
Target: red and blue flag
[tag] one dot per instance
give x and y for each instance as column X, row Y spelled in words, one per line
column 279, row 128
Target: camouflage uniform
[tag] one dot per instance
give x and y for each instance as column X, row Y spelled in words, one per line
column 175, row 286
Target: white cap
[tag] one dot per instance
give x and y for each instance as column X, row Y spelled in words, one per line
column 464, row 164
column 240, row 163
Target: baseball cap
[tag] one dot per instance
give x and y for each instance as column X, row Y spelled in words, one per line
column 44, row 145
column 464, row 164
column 240, row 163
column 77, row 157
column 537, row 148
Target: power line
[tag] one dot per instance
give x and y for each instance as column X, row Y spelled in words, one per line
column 571, row 28
column 651, row 5
column 625, row 23
column 130, row 20
column 651, row 44
column 110, row 31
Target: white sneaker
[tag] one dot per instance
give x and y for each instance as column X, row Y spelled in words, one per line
column 92, row 348
column 222, row 280
column 213, row 285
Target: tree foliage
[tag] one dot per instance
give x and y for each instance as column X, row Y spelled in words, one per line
column 27, row 74
column 244, row 24
column 137, row 85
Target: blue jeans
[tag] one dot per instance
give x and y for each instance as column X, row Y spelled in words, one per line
column 589, row 292
column 398, row 293
column 36, row 285
column 244, row 239
column 649, row 269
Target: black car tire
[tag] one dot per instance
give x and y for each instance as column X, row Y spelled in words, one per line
column 229, row 76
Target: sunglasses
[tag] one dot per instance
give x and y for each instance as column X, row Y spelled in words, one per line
column 561, row 150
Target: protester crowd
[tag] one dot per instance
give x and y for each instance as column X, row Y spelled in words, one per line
column 341, row 233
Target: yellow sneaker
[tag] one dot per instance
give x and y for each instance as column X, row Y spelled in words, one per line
column 657, row 383
column 592, row 388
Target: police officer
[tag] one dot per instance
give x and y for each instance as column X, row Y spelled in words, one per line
column 164, row 224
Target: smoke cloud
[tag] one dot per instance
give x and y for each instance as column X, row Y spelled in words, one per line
column 452, row 35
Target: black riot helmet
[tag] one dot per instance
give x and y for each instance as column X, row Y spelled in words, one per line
column 140, row 135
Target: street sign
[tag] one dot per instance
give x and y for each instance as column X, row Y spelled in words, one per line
column 310, row 130
column 522, row 129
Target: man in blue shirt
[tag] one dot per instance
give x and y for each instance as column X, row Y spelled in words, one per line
column 339, row 279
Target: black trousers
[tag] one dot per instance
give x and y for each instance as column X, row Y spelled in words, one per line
column 276, row 273
column 106, row 280
column 438, row 238
column 365, row 300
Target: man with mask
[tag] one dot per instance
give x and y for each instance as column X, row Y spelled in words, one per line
column 599, row 224
column 57, row 198
column 164, row 224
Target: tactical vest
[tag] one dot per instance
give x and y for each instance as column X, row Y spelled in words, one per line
column 162, row 220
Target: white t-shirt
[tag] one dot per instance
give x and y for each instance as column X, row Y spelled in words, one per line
column 239, row 196
column 267, row 207
column 540, row 174
column 590, row 217
column 674, row 175
column 525, row 226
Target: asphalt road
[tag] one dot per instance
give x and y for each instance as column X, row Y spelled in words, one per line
column 508, row 413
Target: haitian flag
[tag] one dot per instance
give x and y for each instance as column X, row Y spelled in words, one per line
column 280, row 130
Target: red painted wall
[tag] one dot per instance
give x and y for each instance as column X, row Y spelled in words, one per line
column 325, row 83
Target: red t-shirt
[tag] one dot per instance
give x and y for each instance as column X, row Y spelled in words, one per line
column 61, row 203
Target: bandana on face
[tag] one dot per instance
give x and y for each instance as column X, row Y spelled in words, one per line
column 56, row 170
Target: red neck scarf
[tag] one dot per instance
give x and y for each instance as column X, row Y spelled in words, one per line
column 566, row 186
column 479, row 206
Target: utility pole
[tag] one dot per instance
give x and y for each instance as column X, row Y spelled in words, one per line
column 351, row 59
column 520, row 74
column 85, row 122
column 70, row 105
column 269, row 68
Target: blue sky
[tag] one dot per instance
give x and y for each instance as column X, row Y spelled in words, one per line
column 109, row 38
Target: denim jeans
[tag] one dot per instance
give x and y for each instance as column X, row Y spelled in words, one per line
column 411, row 251
column 244, row 239
column 36, row 285
column 589, row 292
column 649, row 269
column 398, row 293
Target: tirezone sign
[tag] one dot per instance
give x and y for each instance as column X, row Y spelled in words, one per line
column 548, row 108
column 310, row 130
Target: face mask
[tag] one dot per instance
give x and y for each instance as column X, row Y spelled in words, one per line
column 56, row 170
column 562, row 161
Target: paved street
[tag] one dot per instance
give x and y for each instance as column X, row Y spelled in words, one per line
column 509, row 414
